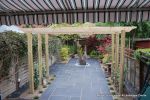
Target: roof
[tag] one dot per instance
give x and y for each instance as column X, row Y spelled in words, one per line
column 56, row 11
column 142, row 39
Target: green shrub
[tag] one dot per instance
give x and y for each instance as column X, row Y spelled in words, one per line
column 64, row 52
column 107, row 58
column 80, row 52
column 72, row 49
column 100, row 56
column 94, row 54
column 137, row 53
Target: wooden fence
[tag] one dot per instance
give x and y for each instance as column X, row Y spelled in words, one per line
column 135, row 72
column 9, row 84
column 132, row 72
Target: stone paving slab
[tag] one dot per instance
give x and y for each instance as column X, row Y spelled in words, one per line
column 59, row 98
column 77, row 82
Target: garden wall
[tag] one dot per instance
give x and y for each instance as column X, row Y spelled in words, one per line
column 8, row 85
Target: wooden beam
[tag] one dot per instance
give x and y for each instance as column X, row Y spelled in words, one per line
column 47, row 55
column 122, row 62
column 77, row 30
column 113, row 53
column 30, row 63
column 40, row 58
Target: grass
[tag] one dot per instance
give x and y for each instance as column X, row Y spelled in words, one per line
column 36, row 97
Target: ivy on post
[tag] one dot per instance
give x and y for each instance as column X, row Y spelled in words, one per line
column 40, row 59
column 47, row 55
column 30, row 63
column 122, row 62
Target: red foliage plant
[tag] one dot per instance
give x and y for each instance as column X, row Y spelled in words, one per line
column 100, row 45
column 105, row 42
column 91, row 43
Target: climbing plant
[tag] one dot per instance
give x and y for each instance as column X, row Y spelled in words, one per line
column 36, row 76
column 138, row 53
column 12, row 45
column 54, row 45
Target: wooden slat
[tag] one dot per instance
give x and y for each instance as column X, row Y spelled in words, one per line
column 30, row 63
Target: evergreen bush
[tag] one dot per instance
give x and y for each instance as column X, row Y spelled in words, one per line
column 64, row 52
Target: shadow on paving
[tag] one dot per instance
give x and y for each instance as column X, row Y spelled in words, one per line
column 77, row 82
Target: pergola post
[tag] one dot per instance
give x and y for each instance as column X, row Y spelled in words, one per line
column 115, row 46
column 117, row 50
column 47, row 55
column 40, row 58
column 122, row 62
column 113, row 53
column 116, row 57
column 30, row 63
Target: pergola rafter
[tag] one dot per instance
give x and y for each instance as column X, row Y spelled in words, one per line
column 114, row 31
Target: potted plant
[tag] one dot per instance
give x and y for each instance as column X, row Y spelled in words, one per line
column 82, row 58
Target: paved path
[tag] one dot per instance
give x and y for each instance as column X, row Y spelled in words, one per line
column 77, row 82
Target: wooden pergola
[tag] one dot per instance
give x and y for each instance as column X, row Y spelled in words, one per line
column 118, row 41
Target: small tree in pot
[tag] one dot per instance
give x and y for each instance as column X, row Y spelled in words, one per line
column 82, row 58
